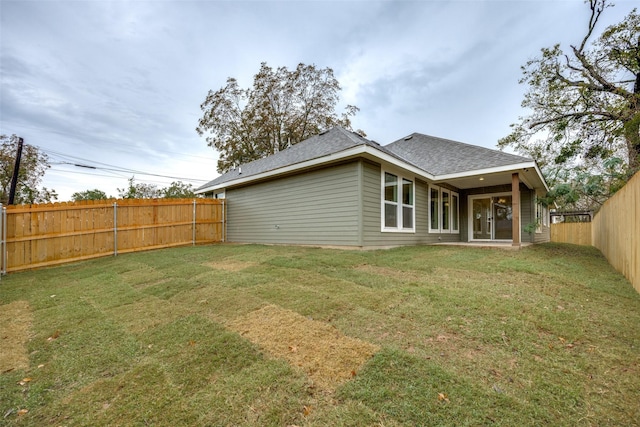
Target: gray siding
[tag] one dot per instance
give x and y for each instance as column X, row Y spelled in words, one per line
column 316, row 208
column 527, row 213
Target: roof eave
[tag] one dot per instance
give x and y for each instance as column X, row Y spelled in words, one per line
column 372, row 152
column 353, row 152
column 515, row 167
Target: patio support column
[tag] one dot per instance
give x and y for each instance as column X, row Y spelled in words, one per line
column 515, row 208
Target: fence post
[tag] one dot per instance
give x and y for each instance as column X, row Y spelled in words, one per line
column 115, row 228
column 193, row 239
column 3, row 236
column 224, row 224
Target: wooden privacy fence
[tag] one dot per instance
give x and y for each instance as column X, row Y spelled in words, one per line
column 578, row 233
column 616, row 230
column 42, row 235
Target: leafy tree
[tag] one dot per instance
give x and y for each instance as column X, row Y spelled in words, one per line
column 89, row 195
column 281, row 109
column 139, row 191
column 178, row 190
column 33, row 165
column 582, row 188
column 585, row 103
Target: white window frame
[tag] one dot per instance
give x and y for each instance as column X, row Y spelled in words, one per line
column 400, row 178
column 440, row 211
column 455, row 230
column 437, row 205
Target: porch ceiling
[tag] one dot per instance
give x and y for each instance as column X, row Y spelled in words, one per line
column 528, row 177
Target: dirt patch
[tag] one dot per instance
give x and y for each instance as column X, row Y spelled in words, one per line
column 230, row 265
column 327, row 356
column 15, row 325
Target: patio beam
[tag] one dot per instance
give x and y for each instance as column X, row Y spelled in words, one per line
column 515, row 206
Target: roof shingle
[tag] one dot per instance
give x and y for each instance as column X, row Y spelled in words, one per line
column 436, row 156
column 440, row 156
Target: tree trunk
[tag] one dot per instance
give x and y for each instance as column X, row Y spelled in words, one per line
column 632, row 136
column 632, row 127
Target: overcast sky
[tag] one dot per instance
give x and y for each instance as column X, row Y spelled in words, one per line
column 118, row 84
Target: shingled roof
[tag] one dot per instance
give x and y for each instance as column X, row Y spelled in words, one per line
column 326, row 143
column 435, row 156
column 439, row 156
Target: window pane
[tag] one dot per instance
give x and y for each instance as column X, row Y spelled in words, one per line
column 390, row 187
column 407, row 217
column 445, row 210
column 454, row 212
column 434, row 208
column 390, row 215
column 407, row 192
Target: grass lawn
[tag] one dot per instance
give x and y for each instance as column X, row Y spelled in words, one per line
column 231, row 335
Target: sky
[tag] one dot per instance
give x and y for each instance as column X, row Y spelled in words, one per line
column 116, row 86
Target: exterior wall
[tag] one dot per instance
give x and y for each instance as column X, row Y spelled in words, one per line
column 372, row 209
column 320, row 207
column 342, row 206
column 527, row 213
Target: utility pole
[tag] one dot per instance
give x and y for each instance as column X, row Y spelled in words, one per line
column 16, row 170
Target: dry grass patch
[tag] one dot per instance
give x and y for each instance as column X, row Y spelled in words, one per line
column 327, row 356
column 231, row 265
column 15, row 325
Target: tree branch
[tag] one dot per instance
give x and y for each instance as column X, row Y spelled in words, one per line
column 605, row 115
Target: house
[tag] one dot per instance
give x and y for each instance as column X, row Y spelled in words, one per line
column 340, row 189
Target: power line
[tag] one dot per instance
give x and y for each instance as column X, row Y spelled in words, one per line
column 121, row 144
column 107, row 176
column 113, row 168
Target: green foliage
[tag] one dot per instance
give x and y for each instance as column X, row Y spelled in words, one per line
column 281, row 109
column 89, row 195
column 139, row 191
column 33, row 165
column 584, row 103
column 178, row 190
column 582, row 188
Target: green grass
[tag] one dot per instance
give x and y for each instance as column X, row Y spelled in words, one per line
column 548, row 335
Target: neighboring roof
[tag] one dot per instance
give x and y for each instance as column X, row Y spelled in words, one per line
column 440, row 156
column 428, row 156
column 326, row 143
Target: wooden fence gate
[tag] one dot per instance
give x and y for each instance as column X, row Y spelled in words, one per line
column 34, row 236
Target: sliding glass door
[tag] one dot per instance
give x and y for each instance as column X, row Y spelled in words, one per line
column 491, row 217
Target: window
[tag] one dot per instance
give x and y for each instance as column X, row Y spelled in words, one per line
column 390, row 201
column 407, row 204
column 434, row 196
column 444, row 210
column 454, row 213
column 538, row 217
column 398, row 204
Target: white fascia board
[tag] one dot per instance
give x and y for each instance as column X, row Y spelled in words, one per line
column 360, row 150
column 499, row 169
column 368, row 151
column 544, row 181
column 486, row 171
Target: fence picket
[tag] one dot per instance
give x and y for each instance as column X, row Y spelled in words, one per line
column 43, row 235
